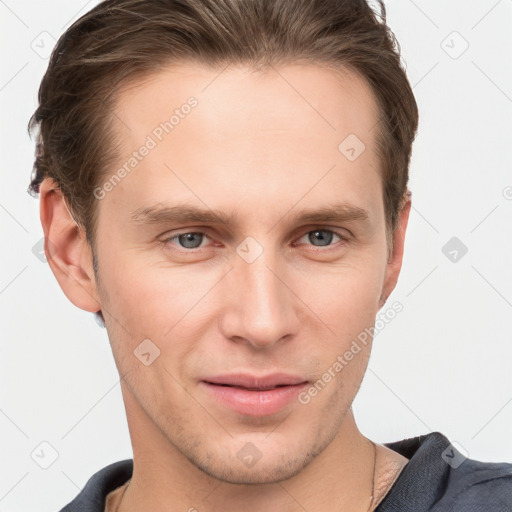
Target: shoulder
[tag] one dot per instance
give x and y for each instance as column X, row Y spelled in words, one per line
column 478, row 486
column 93, row 496
column 439, row 477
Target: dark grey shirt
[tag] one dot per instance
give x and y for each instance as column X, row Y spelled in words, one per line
column 437, row 478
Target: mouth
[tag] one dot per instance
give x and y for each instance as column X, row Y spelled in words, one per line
column 254, row 396
column 260, row 388
column 248, row 381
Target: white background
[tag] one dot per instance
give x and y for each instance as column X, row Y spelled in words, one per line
column 442, row 364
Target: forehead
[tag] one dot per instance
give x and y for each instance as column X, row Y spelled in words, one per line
column 232, row 132
column 311, row 96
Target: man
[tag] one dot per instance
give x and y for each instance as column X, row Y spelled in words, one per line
column 225, row 184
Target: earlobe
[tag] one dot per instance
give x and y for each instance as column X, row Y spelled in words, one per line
column 394, row 264
column 66, row 249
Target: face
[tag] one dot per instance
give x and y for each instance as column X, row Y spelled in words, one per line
column 239, row 256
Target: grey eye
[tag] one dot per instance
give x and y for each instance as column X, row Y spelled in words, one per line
column 323, row 236
column 190, row 240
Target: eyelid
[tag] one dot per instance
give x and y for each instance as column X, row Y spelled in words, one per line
column 308, row 229
column 168, row 238
column 343, row 233
column 344, row 238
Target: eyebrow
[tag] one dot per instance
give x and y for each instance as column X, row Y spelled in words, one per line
column 163, row 214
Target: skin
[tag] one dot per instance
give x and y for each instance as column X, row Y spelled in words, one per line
column 263, row 146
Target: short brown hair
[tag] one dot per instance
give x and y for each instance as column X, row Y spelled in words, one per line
column 120, row 40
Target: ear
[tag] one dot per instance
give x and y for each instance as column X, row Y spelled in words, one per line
column 66, row 249
column 395, row 258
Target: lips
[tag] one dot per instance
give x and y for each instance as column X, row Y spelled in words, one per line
column 252, row 395
column 257, row 388
column 256, row 383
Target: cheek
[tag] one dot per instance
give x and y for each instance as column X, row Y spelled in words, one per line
column 153, row 298
column 345, row 300
column 344, row 297
column 165, row 305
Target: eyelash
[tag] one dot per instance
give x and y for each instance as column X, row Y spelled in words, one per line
column 343, row 238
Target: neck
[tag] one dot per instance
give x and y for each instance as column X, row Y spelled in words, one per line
column 339, row 478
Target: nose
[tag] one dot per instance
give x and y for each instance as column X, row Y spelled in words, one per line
column 261, row 309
